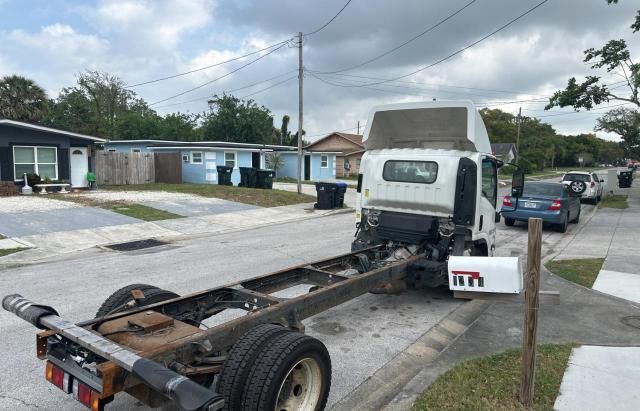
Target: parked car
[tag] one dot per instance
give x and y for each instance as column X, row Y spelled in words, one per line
column 585, row 183
column 552, row 202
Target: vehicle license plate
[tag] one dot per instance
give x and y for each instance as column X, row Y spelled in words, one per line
column 529, row 205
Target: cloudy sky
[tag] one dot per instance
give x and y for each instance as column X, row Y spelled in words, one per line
column 141, row 40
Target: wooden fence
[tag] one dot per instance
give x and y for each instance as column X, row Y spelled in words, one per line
column 138, row 168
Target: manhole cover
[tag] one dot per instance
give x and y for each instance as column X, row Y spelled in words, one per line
column 136, row 245
column 631, row 321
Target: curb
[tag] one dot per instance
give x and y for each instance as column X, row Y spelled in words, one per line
column 384, row 388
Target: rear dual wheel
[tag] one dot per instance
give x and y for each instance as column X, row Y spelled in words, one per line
column 273, row 368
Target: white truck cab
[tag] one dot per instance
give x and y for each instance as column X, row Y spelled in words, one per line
column 428, row 184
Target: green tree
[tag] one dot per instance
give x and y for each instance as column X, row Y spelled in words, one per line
column 613, row 57
column 285, row 134
column 22, row 99
column 232, row 119
column 274, row 162
column 179, row 126
column 624, row 122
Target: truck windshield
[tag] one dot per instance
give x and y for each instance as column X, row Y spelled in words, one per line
column 424, row 172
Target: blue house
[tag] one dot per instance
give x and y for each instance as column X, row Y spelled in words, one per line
column 200, row 158
column 47, row 152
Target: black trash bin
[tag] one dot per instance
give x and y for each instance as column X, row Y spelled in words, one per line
column 326, row 196
column 224, row 175
column 625, row 178
column 244, row 177
column 265, row 179
column 341, row 188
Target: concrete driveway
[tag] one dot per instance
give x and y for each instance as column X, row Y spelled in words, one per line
column 24, row 216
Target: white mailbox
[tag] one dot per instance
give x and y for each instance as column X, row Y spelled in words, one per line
column 485, row 274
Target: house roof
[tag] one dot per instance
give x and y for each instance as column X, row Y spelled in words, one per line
column 30, row 126
column 353, row 138
column 502, row 149
column 353, row 152
column 203, row 144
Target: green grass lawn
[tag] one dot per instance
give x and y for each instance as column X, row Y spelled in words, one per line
column 292, row 180
column 143, row 212
column 613, row 201
column 254, row 196
column 8, row 251
column 493, row 382
column 582, row 271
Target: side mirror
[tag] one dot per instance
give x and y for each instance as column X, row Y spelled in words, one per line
column 497, row 219
column 517, row 183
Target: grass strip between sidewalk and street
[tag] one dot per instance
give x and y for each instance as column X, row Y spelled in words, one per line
column 253, row 196
column 614, row 201
column 583, row 271
column 143, row 212
column 493, row 382
column 7, row 251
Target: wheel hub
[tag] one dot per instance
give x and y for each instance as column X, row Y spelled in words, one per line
column 301, row 388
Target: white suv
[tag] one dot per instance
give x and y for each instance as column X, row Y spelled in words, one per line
column 585, row 183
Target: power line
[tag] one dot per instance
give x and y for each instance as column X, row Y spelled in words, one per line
column 329, row 22
column 460, row 50
column 433, row 27
column 208, row 96
column 423, row 83
column 268, row 88
column 207, row 67
column 217, row 78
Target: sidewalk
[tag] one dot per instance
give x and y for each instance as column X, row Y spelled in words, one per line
column 58, row 243
column 596, row 375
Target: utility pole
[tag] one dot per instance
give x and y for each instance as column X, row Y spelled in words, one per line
column 358, row 127
column 300, row 75
column 518, row 135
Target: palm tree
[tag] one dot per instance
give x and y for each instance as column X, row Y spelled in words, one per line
column 22, row 99
column 275, row 162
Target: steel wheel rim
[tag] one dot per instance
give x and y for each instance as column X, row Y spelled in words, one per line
column 301, row 388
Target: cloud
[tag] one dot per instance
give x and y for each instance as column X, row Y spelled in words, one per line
column 151, row 25
column 52, row 55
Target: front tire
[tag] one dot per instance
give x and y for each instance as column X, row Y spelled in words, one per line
column 509, row 222
column 292, row 373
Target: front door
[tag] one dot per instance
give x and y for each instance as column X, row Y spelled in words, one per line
column 255, row 159
column 307, row 167
column 79, row 166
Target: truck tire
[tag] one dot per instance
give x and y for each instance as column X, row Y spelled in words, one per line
column 240, row 359
column 121, row 297
column 509, row 222
column 291, row 373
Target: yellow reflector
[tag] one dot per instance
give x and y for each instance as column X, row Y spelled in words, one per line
column 366, row 192
column 48, row 371
column 95, row 401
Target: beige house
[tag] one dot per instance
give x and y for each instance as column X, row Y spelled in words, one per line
column 349, row 148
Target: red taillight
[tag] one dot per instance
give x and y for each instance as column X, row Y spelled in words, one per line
column 593, row 184
column 82, row 393
column 556, row 205
column 506, row 201
column 57, row 377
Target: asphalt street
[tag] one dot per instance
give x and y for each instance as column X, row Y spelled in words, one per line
column 361, row 335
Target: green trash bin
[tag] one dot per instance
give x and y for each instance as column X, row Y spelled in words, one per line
column 91, row 178
column 224, row 175
column 265, row 179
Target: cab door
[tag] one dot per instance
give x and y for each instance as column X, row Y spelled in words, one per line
column 488, row 202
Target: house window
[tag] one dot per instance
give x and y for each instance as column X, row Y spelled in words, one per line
column 230, row 159
column 196, row 157
column 358, row 164
column 185, row 157
column 42, row 161
column 347, row 164
column 324, row 161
